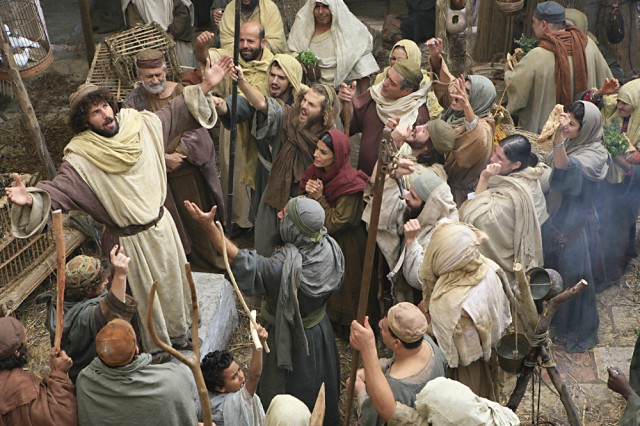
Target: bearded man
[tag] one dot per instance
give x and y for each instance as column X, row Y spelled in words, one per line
column 565, row 64
column 402, row 94
column 285, row 82
column 406, row 225
column 114, row 170
column 255, row 59
column 265, row 12
column 190, row 159
column 289, row 133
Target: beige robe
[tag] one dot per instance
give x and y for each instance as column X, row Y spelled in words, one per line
column 266, row 13
column 532, row 84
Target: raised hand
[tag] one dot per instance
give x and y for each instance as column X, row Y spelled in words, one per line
column 204, row 219
column 361, row 337
column 492, row 169
column 434, row 46
column 314, row 188
column 216, row 15
column 346, row 92
column 610, row 85
column 237, row 74
column 214, row 73
column 411, row 229
column 18, row 194
column 203, row 41
column 119, row 261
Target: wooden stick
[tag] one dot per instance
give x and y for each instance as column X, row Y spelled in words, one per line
column 369, row 253
column 193, row 362
column 254, row 332
column 58, row 232
column 346, row 106
column 317, row 416
column 528, row 307
column 235, row 284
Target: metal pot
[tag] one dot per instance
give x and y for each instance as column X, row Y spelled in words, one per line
column 510, row 358
column 544, row 283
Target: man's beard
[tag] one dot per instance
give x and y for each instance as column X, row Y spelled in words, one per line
column 415, row 144
column 250, row 7
column 104, row 132
column 412, row 212
column 251, row 55
column 310, row 122
column 155, row 88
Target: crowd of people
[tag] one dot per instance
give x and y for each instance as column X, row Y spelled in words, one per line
column 458, row 212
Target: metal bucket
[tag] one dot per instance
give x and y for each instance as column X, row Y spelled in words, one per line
column 510, row 358
column 544, row 283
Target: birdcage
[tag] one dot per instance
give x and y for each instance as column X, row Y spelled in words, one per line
column 102, row 73
column 24, row 27
column 124, row 46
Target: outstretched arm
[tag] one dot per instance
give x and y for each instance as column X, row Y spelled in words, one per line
column 206, row 221
column 362, row 339
column 120, row 264
column 18, row 194
column 255, row 97
column 214, row 73
column 255, row 368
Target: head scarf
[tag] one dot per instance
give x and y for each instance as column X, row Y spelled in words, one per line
column 351, row 38
column 82, row 271
column 407, row 322
column 287, row 410
column 630, row 94
column 587, row 148
column 340, row 178
column 413, row 51
column 312, row 263
column 292, row 69
column 436, row 399
column 481, row 99
column 578, row 18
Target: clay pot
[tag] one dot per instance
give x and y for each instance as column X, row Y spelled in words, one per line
column 457, row 4
column 456, row 22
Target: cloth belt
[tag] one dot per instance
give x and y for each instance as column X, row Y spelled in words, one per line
column 130, row 230
column 308, row 321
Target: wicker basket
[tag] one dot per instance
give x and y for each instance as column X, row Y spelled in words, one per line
column 101, row 74
column 124, row 46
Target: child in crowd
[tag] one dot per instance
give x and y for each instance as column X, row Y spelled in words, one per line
column 233, row 398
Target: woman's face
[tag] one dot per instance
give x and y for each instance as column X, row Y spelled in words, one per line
column 397, row 53
column 506, row 166
column 624, row 109
column 323, row 156
column 572, row 129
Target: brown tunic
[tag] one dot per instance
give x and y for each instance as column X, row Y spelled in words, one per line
column 27, row 400
column 365, row 119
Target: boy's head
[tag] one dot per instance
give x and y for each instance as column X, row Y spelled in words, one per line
column 86, row 277
column 221, row 373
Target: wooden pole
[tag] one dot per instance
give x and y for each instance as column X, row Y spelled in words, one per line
column 58, row 233
column 25, row 105
column 193, row 361
column 234, row 118
column 256, row 340
column 87, row 29
column 378, row 187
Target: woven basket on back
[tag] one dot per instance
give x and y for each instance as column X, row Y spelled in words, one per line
column 124, row 46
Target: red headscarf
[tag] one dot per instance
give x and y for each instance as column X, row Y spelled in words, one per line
column 339, row 179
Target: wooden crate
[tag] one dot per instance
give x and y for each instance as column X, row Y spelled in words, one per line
column 124, row 46
column 101, row 73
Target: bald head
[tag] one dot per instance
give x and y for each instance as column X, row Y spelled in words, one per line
column 252, row 41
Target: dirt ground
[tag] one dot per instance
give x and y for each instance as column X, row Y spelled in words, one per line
column 618, row 307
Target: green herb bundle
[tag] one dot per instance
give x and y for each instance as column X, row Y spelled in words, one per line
column 526, row 44
column 614, row 141
column 306, row 57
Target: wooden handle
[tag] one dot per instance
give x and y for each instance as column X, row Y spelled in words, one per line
column 254, row 332
column 235, row 284
column 58, row 233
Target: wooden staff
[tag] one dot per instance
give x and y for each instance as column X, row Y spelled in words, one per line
column 256, row 341
column 254, row 332
column 193, row 362
column 58, row 234
column 378, row 187
column 234, row 117
column 317, row 416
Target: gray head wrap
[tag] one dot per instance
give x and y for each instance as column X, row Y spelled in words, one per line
column 482, row 97
column 312, row 263
column 426, row 183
